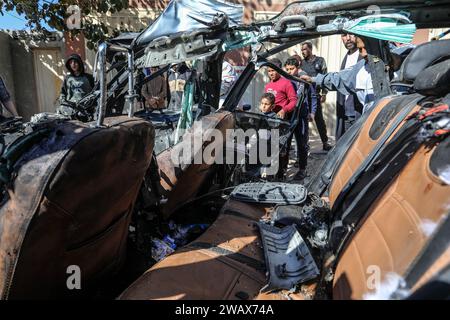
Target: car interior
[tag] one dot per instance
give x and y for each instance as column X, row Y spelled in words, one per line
column 96, row 194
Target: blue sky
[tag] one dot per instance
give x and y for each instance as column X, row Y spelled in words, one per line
column 12, row 20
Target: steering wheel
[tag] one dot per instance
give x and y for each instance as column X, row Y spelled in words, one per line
column 262, row 116
column 78, row 108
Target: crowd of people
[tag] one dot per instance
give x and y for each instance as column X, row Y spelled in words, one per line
column 353, row 84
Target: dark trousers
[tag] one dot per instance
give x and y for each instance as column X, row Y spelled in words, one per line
column 302, row 140
column 301, row 134
column 320, row 122
column 344, row 124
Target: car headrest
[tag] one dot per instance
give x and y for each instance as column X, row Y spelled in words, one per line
column 422, row 57
column 434, row 80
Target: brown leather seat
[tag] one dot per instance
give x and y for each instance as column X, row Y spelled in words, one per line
column 395, row 230
column 223, row 263
column 390, row 238
column 181, row 182
column 78, row 208
column 371, row 132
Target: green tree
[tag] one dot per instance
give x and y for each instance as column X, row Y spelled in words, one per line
column 55, row 13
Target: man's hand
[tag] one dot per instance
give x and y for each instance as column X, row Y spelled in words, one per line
column 281, row 114
column 306, row 78
column 152, row 102
column 311, row 117
column 323, row 98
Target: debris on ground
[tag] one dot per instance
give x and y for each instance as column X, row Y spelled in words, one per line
column 178, row 236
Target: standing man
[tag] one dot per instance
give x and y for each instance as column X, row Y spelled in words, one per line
column 348, row 107
column 357, row 80
column 5, row 99
column 155, row 91
column 314, row 65
column 301, row 131
column 76, row 85
column 229, row 77
column 178, row 76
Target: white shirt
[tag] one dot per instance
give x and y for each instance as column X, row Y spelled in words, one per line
column 352, row 59
column 364, row 88
column 228, row 78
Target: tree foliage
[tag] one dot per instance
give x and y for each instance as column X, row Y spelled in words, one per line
column 55, row 13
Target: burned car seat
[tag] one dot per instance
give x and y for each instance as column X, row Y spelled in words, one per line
column 226, row 262
column 384, row 120
column 422, row 57
column 222, row 262
column 400, row 222
column 70, row 205
column 396, row 229
column 182, row 181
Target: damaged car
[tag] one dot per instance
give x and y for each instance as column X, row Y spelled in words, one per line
column 105, row 195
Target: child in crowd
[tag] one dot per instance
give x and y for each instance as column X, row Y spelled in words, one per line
column 267, row 104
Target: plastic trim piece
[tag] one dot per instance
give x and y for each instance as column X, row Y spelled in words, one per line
column 288, row 259
column 267, row 192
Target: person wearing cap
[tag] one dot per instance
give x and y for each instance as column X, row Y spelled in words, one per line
column 76, row 85
column 5, row 99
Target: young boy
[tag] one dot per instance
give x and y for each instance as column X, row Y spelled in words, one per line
column 77, row 84
column 308, row 107
column 282, row 89
column 267, row 105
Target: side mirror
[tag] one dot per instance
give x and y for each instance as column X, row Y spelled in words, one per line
column 247, row 107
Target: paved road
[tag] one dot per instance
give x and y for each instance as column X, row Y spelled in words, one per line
column 316, row 158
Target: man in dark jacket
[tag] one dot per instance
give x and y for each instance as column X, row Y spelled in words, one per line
column 348, row 107
column 76, row 84
column 314, row 65
column 155, row 91
column 309, row 106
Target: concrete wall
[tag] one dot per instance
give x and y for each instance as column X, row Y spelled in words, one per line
column 17, row 66
column 24, row 84
column 6, row 68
